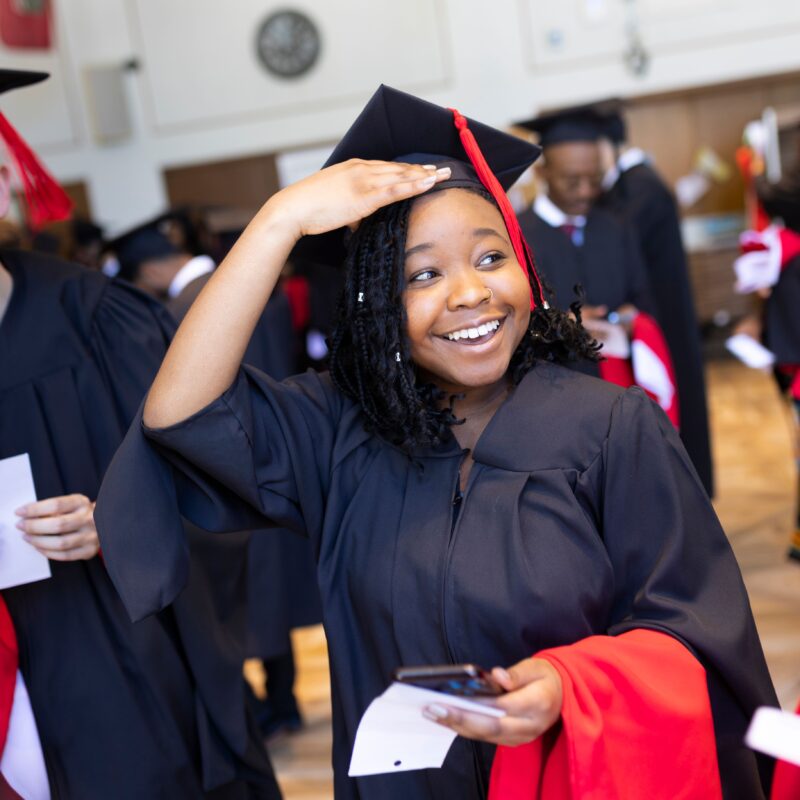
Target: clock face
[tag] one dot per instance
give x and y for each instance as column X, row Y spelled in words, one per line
column 288, row 43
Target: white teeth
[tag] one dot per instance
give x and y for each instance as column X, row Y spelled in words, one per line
column 474, row 333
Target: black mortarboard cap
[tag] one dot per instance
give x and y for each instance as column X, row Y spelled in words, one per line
column 584, row 123
column 142, row 243
column 17, row 78
column 84, row 231
column 396, row 126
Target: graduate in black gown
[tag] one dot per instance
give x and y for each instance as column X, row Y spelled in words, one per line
column 151, row 710
column 468, row 498
column 637, row 193
column 575, row 242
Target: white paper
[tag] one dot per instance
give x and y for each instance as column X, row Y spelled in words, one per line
column 749, row 351
column 20, row 562
column 776, row 733
column 393, row 736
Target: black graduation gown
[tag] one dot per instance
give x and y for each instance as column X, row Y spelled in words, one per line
column 782, row 316
column 282, row 589
column 641, row 199
column 282, row 579
column 582, row 516
column 782, row 199
column 123, row 711
column 609, row 265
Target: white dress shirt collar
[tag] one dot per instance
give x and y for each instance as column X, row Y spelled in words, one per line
column 553, row 215
column 193, row 268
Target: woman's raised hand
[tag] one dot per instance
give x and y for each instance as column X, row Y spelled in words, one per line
column 346, row 193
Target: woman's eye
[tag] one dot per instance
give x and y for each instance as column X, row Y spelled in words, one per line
column 425, row 275
column 491, row 258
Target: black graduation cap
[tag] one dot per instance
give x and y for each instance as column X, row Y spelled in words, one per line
column 614, row 120
column 395, row 126
column 17, row 78
column 145, row 242
column 84, row 231
column 584, row 123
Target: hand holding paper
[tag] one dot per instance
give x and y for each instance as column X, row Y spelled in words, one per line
column 394, row 736
column 19, row 562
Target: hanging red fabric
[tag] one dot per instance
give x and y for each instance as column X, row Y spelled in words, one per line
column 9, row 659
column 46, row 200
column 489, row 180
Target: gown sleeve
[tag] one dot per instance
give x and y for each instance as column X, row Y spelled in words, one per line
column 259, row 456
column 129, row 335
column 676, row 573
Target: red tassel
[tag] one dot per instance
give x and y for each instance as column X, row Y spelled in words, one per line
column 47, row 201
column 489, row 180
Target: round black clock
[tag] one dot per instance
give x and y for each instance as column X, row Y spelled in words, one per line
column 288, row 43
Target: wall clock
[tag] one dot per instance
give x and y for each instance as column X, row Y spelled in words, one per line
column 288, row 43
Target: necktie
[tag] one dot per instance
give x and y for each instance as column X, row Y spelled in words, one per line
column 574, row 232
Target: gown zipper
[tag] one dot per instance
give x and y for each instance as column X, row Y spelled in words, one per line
column 456, row 507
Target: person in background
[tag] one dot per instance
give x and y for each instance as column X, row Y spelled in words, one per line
column 87, row 243
column 469, row 499
column 770, row 267
column 150, row 710
column 580, row 246
column 634, row 190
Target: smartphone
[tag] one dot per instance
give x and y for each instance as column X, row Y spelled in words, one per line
column 464, row 680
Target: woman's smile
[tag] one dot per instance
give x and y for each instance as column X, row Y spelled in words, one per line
column 474, row 334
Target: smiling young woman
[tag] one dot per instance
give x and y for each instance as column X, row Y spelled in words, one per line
column 468, row 497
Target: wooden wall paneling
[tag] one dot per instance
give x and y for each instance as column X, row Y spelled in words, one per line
column 721, row 117
column 238, row 183
column 665, row 128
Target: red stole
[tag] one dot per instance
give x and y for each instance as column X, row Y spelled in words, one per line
column 635, row 722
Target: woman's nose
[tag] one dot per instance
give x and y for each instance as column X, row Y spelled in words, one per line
column 468, row 291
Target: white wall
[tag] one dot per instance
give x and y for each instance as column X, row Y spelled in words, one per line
column 201, row 95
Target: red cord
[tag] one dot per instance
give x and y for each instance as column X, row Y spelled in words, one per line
column 47, row 201
column 489, row 180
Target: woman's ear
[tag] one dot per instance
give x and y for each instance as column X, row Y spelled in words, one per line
column 5, row 190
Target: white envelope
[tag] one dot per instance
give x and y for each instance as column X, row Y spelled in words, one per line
column 776, row 733
column 20, row 562
column 393, row 736
column 749, row 351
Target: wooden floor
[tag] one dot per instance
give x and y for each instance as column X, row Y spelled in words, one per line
column 755, row 501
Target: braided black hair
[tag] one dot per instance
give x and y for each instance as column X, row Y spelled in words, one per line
column 369, row 349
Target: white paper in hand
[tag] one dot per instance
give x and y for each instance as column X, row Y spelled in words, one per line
column 776, row 733
column 20, row 562
column 749, row 351
column 393, row 736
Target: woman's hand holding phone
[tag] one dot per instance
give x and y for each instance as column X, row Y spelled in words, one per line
column 532, row 703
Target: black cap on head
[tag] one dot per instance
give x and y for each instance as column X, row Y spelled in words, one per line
column 395, row 126
column 143, row 243
column 85, row 232
column 583, row 123
column 17, row 78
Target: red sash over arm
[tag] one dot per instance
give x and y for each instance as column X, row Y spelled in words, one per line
column 8, row 669
column 636, row 722
column 786, row 783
